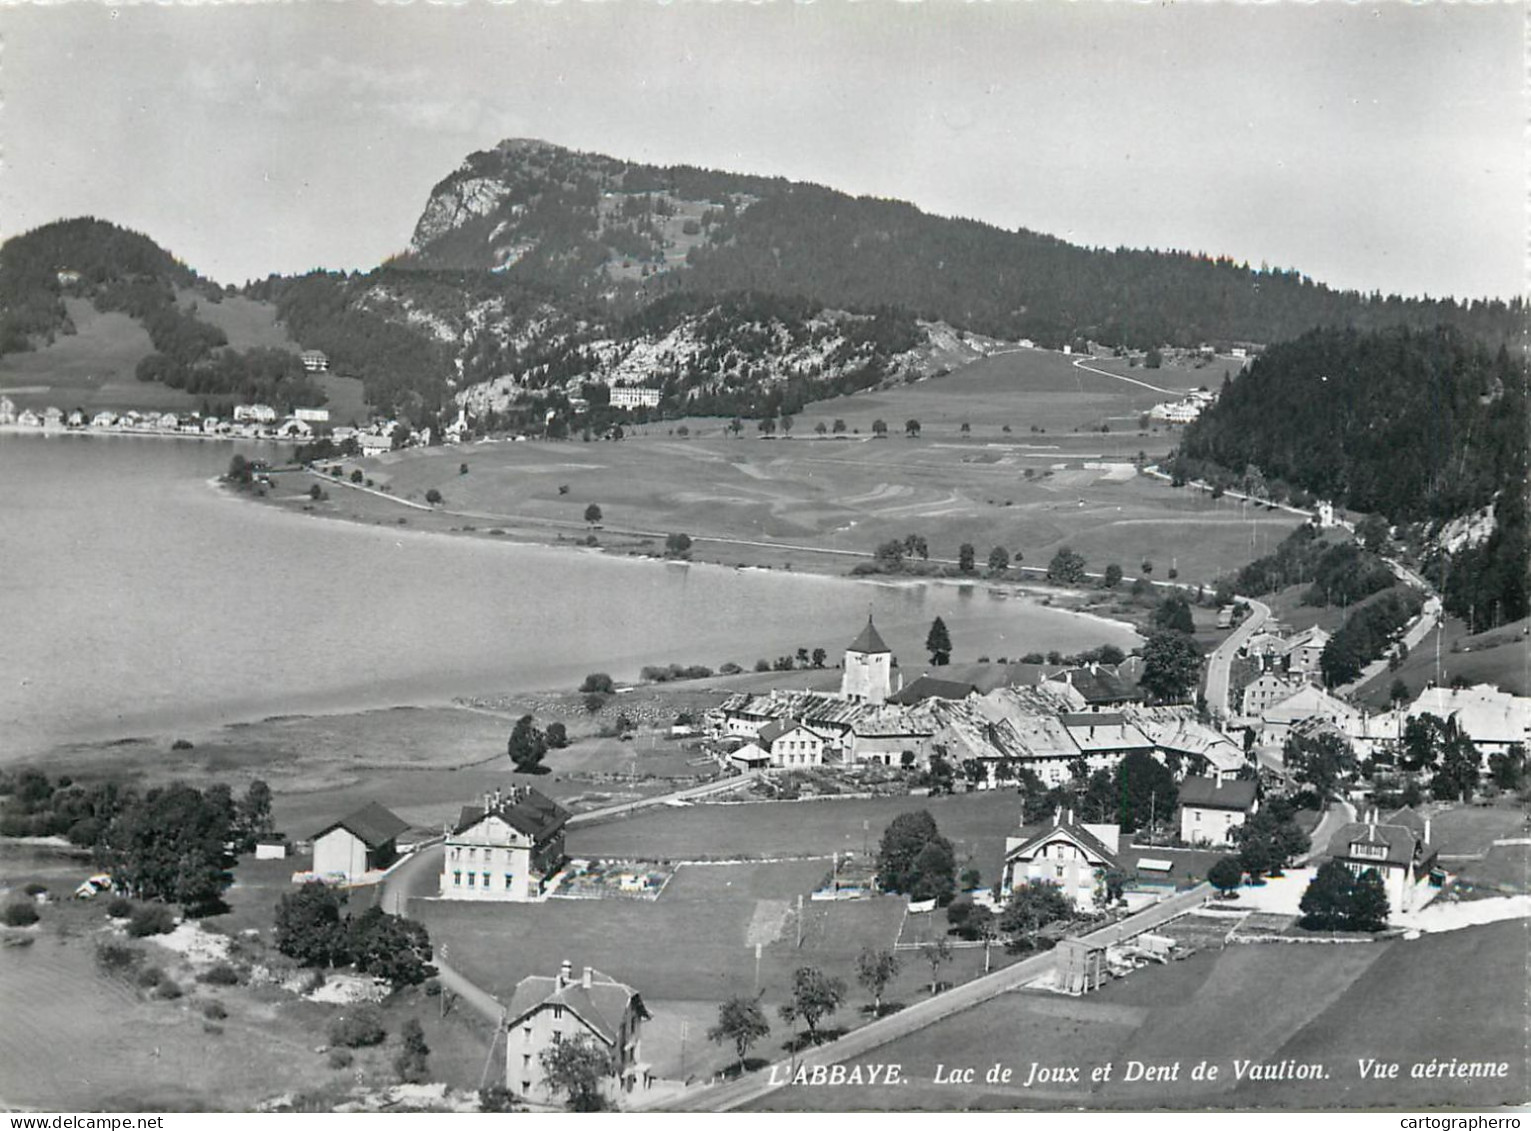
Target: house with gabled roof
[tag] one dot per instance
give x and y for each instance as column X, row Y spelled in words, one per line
column 360, row 842
column 1399, row 852
column 1073, row 855
column 545, row 1010
column 931, row 687
column 1304, row 650
column 791, row 744
column 1210, row 809
column 505, row 850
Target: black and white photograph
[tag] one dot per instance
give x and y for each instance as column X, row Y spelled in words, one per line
column 827, row 557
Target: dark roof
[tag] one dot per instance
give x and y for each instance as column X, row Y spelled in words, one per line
column 1097, row 683
column 929, row 687
column 524, row 810
column 1043, row 830
column 1094, row 719
column 601, row 1005
column 1409, row 819
column 1214, row 793
column 1403, row 845
column 373, row 825
column 869, row 641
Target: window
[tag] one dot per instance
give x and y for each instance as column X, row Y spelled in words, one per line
column 507, row 881
column 472, row 854
column 486, row 881
column 471, row 876
column 457, row 879
column 558, row 1013
column 1059, row 871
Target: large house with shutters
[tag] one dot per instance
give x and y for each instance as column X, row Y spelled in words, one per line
column 1398, row 849
column 504, row 850
column 1074, row 856
column 545, row 1010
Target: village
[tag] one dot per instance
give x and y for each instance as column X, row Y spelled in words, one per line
column 1140, row 833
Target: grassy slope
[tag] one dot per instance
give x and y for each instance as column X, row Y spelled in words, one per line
column 1499, row 656
column 1460, row 994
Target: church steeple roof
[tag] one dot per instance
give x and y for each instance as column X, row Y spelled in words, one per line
column 869, row 642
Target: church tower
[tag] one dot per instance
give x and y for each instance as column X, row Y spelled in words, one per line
column 868, row 673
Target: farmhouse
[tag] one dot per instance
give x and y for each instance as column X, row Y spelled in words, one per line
column 361, row 842
column 1268, row 690
column 1210, row 809
column 1074, row 856
column 545, row 1010
column 505, row 849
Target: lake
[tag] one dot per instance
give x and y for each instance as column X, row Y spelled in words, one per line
column 135, row 599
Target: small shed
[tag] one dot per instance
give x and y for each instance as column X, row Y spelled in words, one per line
column 358, row 843
column 1081, row 965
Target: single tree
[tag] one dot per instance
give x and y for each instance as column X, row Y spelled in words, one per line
column 593, row 514
column 820, row 657
column 741, row 1022
column 433, row 497
column 939, row 643
column 821, row 428
column 677, row 546
column 936, row 953
column 410, row 1063
column 902, row 843
column 1174, row 615
column 598, row 682
column 576, row 1067
column 966, row 428
column 390, row 947
column 253, row 815
column 911, row 428
column 1369, row 908
column 311, row 926
column 879, row 428
column 527, row 745
column 1325, row 904
column 1225, row 875
column 1030, row 908
column 815, row 996
column 999, row 560
column 966, row 556
column 1066, row 568
column 557, row 736
column 1323, row 761
column 838, row 427
column 1171, row 667
column 875, row 970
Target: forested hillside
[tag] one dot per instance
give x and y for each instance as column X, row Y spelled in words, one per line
column 1420, row 426
column 587, row 222
column 119, row 270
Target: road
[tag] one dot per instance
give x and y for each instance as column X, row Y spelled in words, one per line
column 1221, row 660
column 1413, row 637
column 734, row 1094
column 1337, row 816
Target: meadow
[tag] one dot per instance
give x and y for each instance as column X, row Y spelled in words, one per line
column 1460, row 994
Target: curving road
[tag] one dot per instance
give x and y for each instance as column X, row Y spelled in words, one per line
column 1220, row 662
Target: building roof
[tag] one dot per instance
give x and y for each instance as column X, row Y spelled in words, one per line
column 1403, row 846
column 373, row 825
column 597, row 999
column 774, row 730
column 1105, row 730
column 1178, row 729
column 1306, row 703
column 523, row 809
column 1483, row 713
column 1096, row 683
column 930, row 687
column 1214, row 793
column 869, row 641
column 1035, row 836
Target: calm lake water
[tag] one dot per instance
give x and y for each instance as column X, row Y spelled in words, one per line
column 135, row 599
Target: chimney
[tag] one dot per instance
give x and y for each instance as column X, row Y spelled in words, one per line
column 1427, row 830
column 585, row 978
column 565, row 973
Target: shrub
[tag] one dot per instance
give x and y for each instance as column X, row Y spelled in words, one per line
column 340, row 1058
column 358, row 1029
column 432, row 987
column 598, row 682
column 151, row 919
column 19, row 915
column 219, row 974
column 433, row 496
column 181, row 744
column 120, row 907
column 168, row 990
column 214, row 1011
column 150, row 976
column 116, row 957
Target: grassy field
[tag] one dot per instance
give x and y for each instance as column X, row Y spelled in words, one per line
column 828, row 495
column 1498, row 656
column 693, row 947
column 1439, row 996
column 92, row 368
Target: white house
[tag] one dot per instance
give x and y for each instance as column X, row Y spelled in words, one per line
column 313, row 415
column 1398, row 849
column 1074, row 856
column 1493, row 719
column 545, row 1010
column 1268, row 689
column 1210, row 809
column 361, row 842
column 314, row 361
column 256, row 413
column 504, row 850
column 791, row 745
column 632, row 396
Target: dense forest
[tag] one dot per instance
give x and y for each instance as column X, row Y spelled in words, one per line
column 1418, row 426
